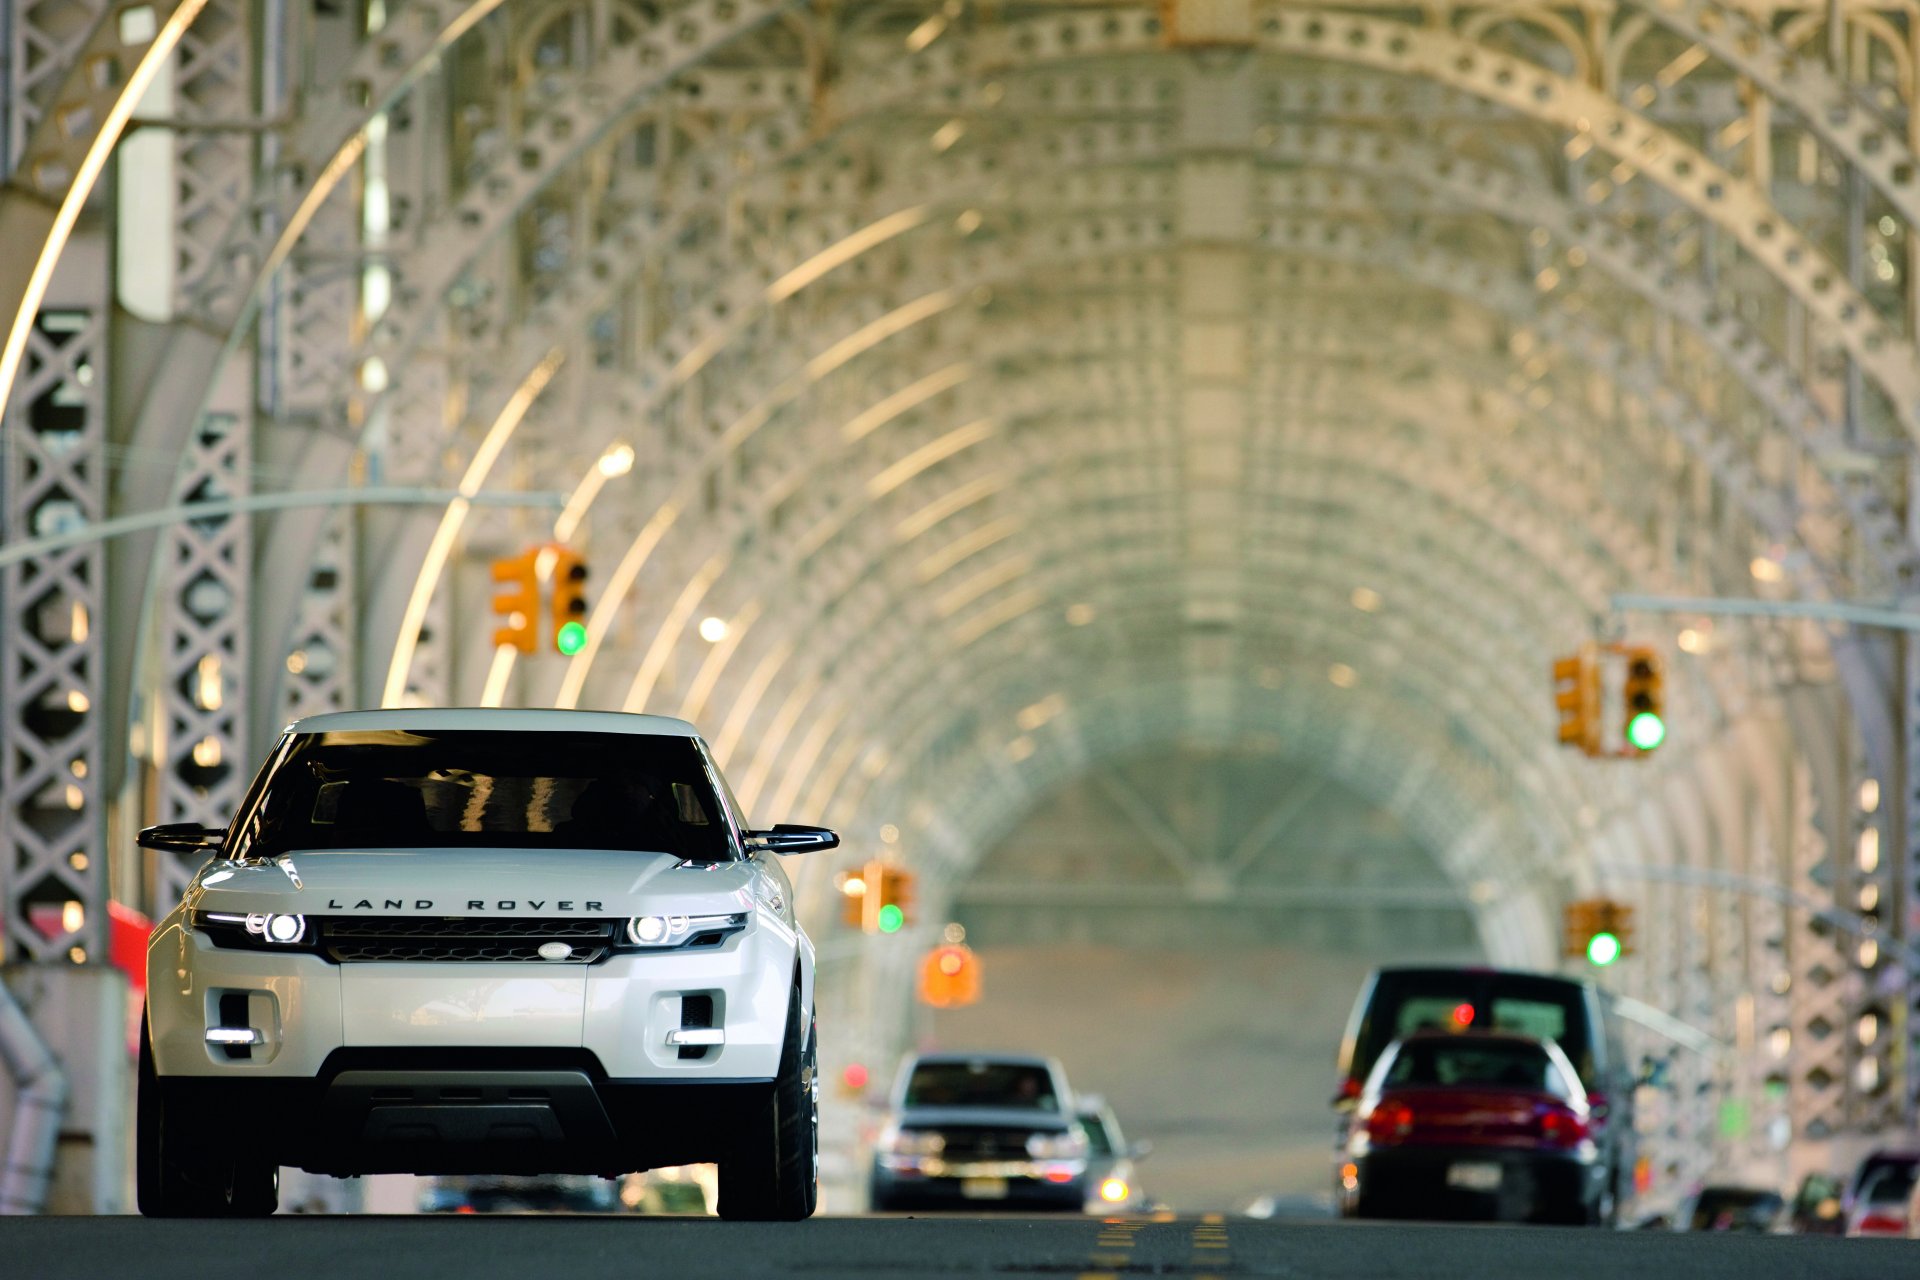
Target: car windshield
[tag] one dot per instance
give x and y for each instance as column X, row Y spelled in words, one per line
column 395, row 789
column 1503, row 1064
column 1099, row 1141
column 1719, row 1208
column 1019, row 1085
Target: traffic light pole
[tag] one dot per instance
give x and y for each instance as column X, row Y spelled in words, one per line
column 1703, row 878
column 1858, row 615
column 253, row 504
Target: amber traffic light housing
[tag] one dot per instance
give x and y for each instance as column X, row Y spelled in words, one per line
column 518, row 605
column 1576, row 696
column 1645, row 726
column 569, row 602
column 1598, row 930
column 950, row 976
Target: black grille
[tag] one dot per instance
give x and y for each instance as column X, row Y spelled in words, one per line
column 985, row 1144
column 351, row 939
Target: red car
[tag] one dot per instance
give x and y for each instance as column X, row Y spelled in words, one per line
column 1464, row 1124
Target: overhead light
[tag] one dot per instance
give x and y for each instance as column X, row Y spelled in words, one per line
column 713, row 630
column 1342, row 675
column 1079, row 615
column 616, row 461
column 1366, row 599
column 1766, row 569
column 926, row 33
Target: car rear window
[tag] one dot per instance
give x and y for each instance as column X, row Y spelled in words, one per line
column 1890, row 1184
column 1018, row 1085
column 393, row 789
column 1468, row 1062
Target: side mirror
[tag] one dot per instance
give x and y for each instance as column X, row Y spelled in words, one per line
column 786, row 837
column 182, row 837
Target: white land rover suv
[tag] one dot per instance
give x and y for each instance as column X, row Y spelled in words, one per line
column 481, row 941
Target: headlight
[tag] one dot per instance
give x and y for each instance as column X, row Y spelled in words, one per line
column 914, row 1142
column 257, row 929
column 1057, row 1146
column 655, row 932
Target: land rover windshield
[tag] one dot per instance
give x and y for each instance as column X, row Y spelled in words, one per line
column 438, row 789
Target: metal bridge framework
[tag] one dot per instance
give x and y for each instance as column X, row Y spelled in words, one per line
column 1026, row 386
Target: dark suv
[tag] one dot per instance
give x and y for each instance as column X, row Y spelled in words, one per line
column 980, row 1131
column 1574, row 1015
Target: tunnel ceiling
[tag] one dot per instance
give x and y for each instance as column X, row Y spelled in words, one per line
column 1028, row 384
column 958, row 402
column 1018, row 387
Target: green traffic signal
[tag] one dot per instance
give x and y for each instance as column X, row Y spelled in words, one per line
column 891, row 918
column 571, row 638
column 1646, row 731
column 1603, row 949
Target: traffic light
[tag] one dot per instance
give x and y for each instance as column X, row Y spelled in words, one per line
column 877, row 898
column 1598, row 930
column 853, row 898
column 950, row 976
column 1576, row 695
column 569, row 602
column 892, row 911
column 1646, row 724
column 519, row 606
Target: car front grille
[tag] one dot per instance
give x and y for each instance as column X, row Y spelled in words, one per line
column 985, row 1144
column 399, row 939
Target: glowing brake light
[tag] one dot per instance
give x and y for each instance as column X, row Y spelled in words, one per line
column 1463, row 1014
column 1390, row 1122
column 1562, row 1128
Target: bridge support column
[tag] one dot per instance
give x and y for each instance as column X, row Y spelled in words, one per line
column 81, row 1011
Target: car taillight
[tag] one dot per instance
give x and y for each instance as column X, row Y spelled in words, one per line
column 1389, row 1122
column 1562, row 1128
column 1882, row 1224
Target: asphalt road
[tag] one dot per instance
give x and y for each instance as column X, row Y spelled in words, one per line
column 637, row 1248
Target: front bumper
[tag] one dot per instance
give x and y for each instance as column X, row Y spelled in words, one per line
column 621, row 1011
column 500, row 1111
column 977, row 1187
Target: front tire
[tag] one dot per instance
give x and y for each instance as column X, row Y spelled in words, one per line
column 773, row 1172
column 175, row 1177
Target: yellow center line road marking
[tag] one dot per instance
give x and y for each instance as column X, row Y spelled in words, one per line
column 1112, row 1248
column 1209, row 1235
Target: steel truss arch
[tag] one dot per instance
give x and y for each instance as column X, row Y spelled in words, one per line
column 1467, row 282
